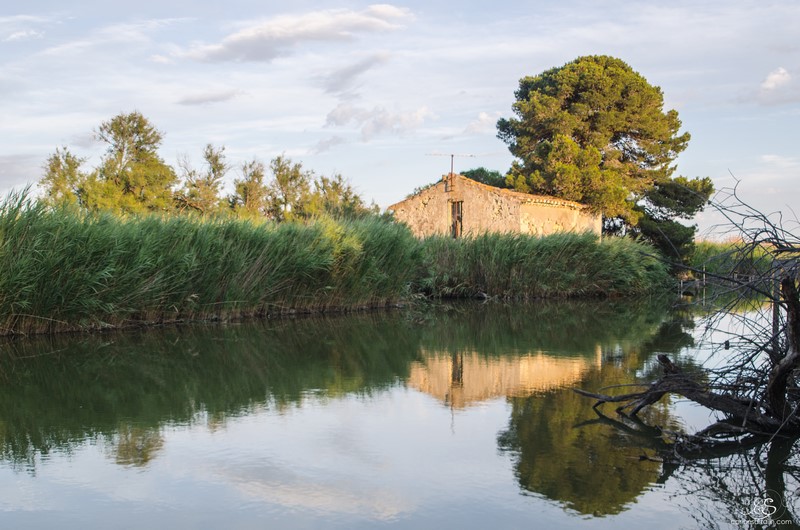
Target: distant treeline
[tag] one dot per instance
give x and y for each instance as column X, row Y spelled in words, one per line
column 70, row 269
column 132, row 178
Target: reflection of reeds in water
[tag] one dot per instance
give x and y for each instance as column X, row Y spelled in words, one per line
column 57, row 392
column 463, row 379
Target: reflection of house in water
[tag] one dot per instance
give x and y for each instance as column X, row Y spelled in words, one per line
column 464, row 379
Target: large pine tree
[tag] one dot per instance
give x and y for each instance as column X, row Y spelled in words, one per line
column 595, row 131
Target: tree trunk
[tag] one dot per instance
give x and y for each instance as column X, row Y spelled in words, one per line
column 779, row 375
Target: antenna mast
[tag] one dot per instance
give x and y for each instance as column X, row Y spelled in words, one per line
column 452, row 158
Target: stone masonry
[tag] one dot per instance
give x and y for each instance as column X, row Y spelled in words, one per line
column 460, row 206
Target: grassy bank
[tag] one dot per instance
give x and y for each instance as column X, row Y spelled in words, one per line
column 62, row 270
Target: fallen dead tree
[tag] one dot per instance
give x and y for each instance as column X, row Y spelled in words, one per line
column 754, row 385
column 744, row 416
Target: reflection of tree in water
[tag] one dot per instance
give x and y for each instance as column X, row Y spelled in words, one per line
column 563, row 453
column 135, row 446
column 592, row 469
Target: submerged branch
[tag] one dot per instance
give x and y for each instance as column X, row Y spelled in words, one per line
column 744, row 416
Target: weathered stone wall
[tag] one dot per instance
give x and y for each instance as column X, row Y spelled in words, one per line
column 489, row 209
column 542, row 219
column 426, row 213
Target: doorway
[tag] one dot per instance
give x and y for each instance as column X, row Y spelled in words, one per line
column 456, row 218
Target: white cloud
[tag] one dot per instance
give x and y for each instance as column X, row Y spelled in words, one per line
column 483, row 123
column 462, row 68
column 17, row 19
column 24, row 35
column 277, row 36
column 776, row 79
column 344, row 113
column 205, row 98
column 327, row 144
column 135, row 31
column 764, row 175
column 285, row 486
column 133, row 35
column 378, row 120
column 782, row 162
column 342, row 79
column 160, row 59
column 779, row 87
column 21, row 28
column 388, row 11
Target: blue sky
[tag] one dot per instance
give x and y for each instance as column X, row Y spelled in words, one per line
column 371, row 90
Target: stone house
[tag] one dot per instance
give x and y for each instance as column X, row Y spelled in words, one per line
column 458, row 206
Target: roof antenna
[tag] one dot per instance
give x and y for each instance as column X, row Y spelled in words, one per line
column 452, row 158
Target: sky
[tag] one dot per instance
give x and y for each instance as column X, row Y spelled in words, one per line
column 383, row 93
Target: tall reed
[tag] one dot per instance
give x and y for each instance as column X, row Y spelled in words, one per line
column 521, row 267
column 63, row 270
column 731, row 258
column 67, row 270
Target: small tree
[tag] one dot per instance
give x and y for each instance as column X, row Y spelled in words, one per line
column 335, row 196
column 132, row 177
column 200, row 192
column 249, row 198
column 63, row 178
column 288, row 193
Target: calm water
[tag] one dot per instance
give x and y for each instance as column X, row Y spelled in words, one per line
column 462, row 417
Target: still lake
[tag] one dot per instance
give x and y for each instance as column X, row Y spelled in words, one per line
column 457, row 416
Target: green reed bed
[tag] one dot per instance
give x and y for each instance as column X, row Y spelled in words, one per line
column 731, row 258
column 62, row 270
column 522, row 267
